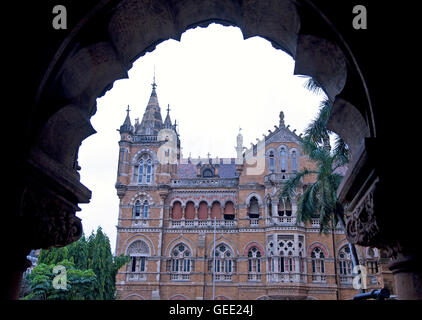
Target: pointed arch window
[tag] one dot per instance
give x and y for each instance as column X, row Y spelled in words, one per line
column 254, row 264
column 141, row 171
column 145, row 209
column 137, row 209
column 318, row 265
column 181, row 263
column 294, row 161
column 225, row 264
column 271, row 161
column 253, row 210
column 148, row 171
column 138, row 252
column 345, row 265
column 283, row 160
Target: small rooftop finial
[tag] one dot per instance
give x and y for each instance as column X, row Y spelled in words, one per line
column 154, row 85
column 281, row 124
column 168, row 108
column 128, row 109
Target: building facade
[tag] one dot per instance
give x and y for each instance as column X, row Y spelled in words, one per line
column 215, row 227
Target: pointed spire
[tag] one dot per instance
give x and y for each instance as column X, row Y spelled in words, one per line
column 151, row 122
column 167, row 121
column 127, row 125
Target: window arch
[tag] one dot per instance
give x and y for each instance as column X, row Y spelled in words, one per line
column 138, row 251
column 141, row 207
column 318, row 265
column 181, row 263
column 145, row 209
column 372, row 261
column 294, row 160
column 207, row 173
column 141, row 171
column 283, row 162
column 254, row 264
column 137, row 209
column 271, row 161
column 284, row 208
column 148, row 171
column 229, row 211
column 345, row 264
column 253, row 210
column 225, row 264
column 177, row 211
column 144, row 170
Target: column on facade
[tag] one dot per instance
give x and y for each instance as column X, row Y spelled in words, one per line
column 274, row 204
column 296, row 257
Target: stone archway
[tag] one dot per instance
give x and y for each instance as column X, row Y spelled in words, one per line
column 101, row 48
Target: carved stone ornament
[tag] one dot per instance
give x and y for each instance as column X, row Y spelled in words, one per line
column 49, row 219
column 362, row 227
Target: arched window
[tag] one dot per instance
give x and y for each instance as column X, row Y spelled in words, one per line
column 229, row 212
column 254, row 264
column 216, row 210
column 149, row 171
column 181, row 263
column 138, row 251
column 283, row 160
column 345, row 264
column 318, row 265
column 269, row 207
column 294, row 161
column 372, row 261
column 177, row 212
column 224, row 266
column 207, row 173
column 284, row 208
column 141, row 171
column 146, row 209
column 190, row 210
column 203, row 211
column 137, row 209
column 253, row 210
column 271, row 161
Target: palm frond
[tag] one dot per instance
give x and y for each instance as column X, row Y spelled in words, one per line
column 341, row 151
column 312, row 86
column 317, row 131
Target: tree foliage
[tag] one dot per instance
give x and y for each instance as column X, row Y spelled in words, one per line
column 90, row 266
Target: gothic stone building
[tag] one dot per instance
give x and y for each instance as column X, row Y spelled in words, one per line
column 170, row 208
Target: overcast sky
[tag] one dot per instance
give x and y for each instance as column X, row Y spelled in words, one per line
column 215, row 82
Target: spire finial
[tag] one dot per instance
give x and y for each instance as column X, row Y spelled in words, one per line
column 127, row 109
column 168, row 108
column 154, row 85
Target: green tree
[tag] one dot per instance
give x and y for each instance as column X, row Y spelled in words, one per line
column 79, row 283
column 83, row 259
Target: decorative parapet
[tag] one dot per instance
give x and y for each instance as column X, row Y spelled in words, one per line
column 206, row 182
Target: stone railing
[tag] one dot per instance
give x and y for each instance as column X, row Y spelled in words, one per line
column 286, row 277
column 145, row 138
column 180, row 276
column 281, row 221
column 196, row 223
column 277, row 177
column 204, row 182
column 223, row 277
column 135, row 276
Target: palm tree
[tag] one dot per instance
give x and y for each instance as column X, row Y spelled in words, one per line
column 319, row 199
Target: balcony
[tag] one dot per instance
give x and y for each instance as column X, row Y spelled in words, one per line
column 180, row 276
column 278, row 177
column 286, row 277
column 135, row 276
column 281, row 221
